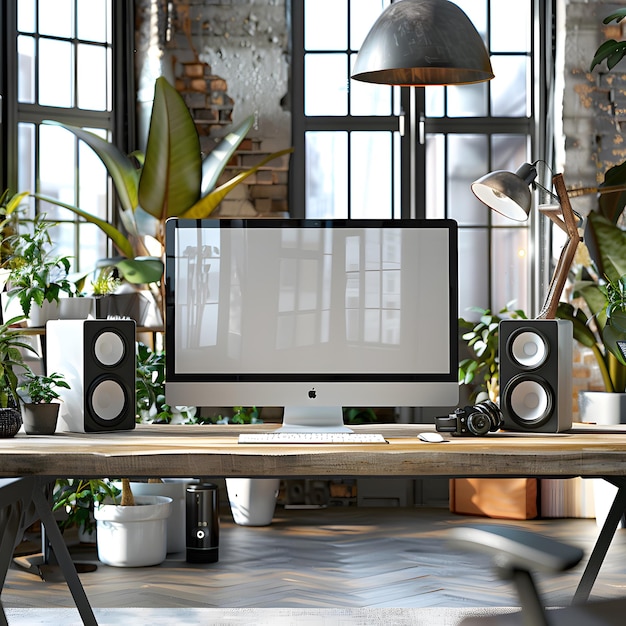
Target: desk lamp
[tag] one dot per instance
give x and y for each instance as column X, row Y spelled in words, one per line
column 423, row 42
column 509, row 194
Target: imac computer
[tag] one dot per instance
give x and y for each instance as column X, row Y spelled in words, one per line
column 311, row 315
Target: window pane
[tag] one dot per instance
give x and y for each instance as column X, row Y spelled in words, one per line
column 93, row 20
column 56, row 17
column 503, row 37
column 326, row 174
column 369, row 98
column 467, row 100
column 510, row 260
column 473, row 269
column 26, row 150
column 92, row 77
column 326, row 84
column 467, row 160
column 435, row 101
column 26, row 16
column 476, row 10
column 508, row 152
column 26, row 69
column 363, row 14
column 55, row 73
column 57, row 175
column 326, row 25
column 509, row 95
column 370, row 175
column 435, row 176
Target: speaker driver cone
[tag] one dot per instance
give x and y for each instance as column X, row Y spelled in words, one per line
column 528, row 349
column 108, row 348
column 108, row 400
column 529, row 400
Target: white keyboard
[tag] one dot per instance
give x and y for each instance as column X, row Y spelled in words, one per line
column 312, row 438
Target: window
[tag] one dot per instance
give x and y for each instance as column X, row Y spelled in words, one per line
column 377, row 151
column 60, row 60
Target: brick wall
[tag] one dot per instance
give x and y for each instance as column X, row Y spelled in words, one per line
column 232, row 27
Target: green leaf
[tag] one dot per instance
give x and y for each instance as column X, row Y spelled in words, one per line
column 171, row 175
column 121, row 168
column 205, row 206
column 141, row 270
column 214, row 164
column 120, row 241
column 608, row 242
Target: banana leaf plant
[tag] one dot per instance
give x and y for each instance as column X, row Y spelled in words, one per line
column 170, row 180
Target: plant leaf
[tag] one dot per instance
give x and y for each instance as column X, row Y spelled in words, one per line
column 141, row 270
column 122, row 169
column 205, row 206
column 170, row 179
column 215, row 162
column 120, row 241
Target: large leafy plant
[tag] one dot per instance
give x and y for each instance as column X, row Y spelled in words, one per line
column 172, row 179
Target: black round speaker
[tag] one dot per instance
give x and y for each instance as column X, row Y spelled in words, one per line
column 529, row 400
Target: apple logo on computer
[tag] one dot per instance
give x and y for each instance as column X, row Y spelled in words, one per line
column 312, row 394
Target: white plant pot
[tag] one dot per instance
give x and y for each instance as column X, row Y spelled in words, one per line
column 176, row 540
column 76, row 308
column 39, row 315
column 602, row 407
column 252, row 500
column 133, row 536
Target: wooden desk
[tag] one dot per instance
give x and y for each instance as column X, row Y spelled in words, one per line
column 213, row 451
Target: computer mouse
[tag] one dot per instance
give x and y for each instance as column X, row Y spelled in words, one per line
column 431, row 437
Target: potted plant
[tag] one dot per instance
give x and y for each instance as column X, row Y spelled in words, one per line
column 11, row 364
column 39, row 411
column 132, row 531
column 37, row 277
column 172, row 179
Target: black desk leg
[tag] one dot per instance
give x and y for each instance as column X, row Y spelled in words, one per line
column 602, row 544
column 63, row 556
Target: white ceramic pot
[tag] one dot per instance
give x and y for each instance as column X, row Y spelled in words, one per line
column 252, row 500
column 176, row 540
column 76, row 308
column 602, row 407
column 133, row 536
column 39, row 315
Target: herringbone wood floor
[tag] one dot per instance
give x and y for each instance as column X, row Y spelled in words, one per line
column 335, row 557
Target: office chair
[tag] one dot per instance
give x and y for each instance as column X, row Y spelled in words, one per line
column 517, row 553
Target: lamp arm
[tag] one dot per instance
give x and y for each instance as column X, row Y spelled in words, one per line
column 566, row 258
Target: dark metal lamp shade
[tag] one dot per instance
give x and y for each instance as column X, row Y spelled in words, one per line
column 423, row 42
column 507, row 193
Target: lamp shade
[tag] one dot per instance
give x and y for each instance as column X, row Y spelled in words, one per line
column 423, row 42
column 507, row 193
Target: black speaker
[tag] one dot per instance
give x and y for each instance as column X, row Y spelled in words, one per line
column 202, row 523
column 97, row 358
column 536, row 375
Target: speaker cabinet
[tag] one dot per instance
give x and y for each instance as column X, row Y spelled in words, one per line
column 97, row 358
column 536, row 375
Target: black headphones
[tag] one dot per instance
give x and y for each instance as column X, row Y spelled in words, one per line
column 477, row 420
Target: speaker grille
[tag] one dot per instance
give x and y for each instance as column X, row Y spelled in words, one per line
column 529, row 400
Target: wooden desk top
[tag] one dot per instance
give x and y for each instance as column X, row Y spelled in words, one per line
column 213, row 451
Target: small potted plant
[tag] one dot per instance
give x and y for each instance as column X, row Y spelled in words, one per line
column 37, row 277
column 40, row 411
column 11, row 364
